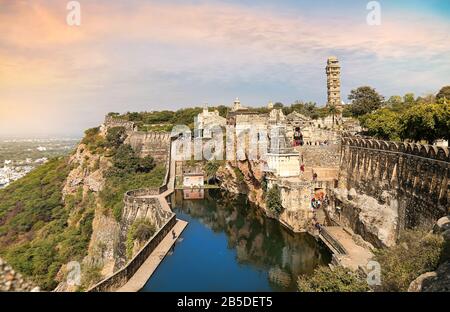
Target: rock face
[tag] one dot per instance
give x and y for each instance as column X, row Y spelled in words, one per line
column 13, row 281
column 242, row 177
column 376, row 222
column 84, row 180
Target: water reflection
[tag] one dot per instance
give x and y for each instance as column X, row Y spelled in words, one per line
column 260, row 242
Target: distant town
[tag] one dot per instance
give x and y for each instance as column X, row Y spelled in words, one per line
column 20, row 156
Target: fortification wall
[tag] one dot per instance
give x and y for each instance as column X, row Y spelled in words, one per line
column 156, row 144
column 111, row 122
column 412, row 178
column 139, row 204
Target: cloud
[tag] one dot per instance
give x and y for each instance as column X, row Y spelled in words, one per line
column 126, row 53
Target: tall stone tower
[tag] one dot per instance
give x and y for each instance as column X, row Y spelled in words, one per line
column 333, row 71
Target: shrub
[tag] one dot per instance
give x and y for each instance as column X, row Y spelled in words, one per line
column 417, row 252
column 239, row 174
column 94, row 142
column 141, row 230
column 115, row 137
column 337, row 280
column 273, row 200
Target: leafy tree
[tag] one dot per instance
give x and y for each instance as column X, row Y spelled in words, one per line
column 116, row 136
column 409, row 99
column 443, row 93
column 211, row 168
column 125, row 159
column 383, row 124
column 93, row 140
column 273, row 200
column 146, row 164
column 426, row 122
column 278, row 105
column 364, row 100
column 337, row 280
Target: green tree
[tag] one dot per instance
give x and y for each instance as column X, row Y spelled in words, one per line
column 383, row 124
column 409, row 99
column 426, row 122
column 337, row 280
column 364, row 100
column 211, row 168
column 278, row 105
column 273, row 200
column 115, row 136
column 146, row 164
column 125, row 159
column 443, row 93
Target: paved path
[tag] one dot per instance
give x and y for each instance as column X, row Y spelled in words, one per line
column 356, row 255
column 140, row 278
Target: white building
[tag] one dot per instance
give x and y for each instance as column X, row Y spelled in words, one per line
column 282, row 160
column 206, row 121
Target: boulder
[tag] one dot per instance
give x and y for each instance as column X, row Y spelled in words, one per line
column 442, row 225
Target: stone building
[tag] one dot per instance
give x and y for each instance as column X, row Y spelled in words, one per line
column 333, row 71
column 206, row 120
column 282, row 160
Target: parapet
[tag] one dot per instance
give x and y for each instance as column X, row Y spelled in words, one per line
column 439, row 153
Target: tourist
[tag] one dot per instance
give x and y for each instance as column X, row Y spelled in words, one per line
column 173, row 234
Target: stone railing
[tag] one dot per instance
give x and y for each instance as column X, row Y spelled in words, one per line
column 145, row 204
column 334, row 244
column 433, row 152
column 122, row 276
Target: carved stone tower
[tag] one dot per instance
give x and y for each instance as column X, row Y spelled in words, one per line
column 333, row 71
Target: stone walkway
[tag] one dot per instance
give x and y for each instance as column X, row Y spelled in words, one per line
column 140, row 278
column 357, row 256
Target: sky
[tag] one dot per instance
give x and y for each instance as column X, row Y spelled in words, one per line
column 137, row 55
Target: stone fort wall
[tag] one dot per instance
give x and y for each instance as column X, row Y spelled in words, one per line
column 416, row 175
column 156, row 144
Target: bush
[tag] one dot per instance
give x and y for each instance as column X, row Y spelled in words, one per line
column 117, row 183
column 115, row 137
column 273, row 200
column 94, row 142
column 337, row 280
column 417, row 252
column 141, row 230
column 239, row 174
column 146, row 164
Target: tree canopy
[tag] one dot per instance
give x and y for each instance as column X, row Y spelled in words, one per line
column 364, row 100
column 443, row 93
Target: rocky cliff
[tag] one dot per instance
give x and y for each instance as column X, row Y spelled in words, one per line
column 243, row 177
column 84, row 182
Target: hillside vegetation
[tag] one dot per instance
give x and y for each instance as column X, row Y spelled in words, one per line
column 35, row 237
column 46, row 219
